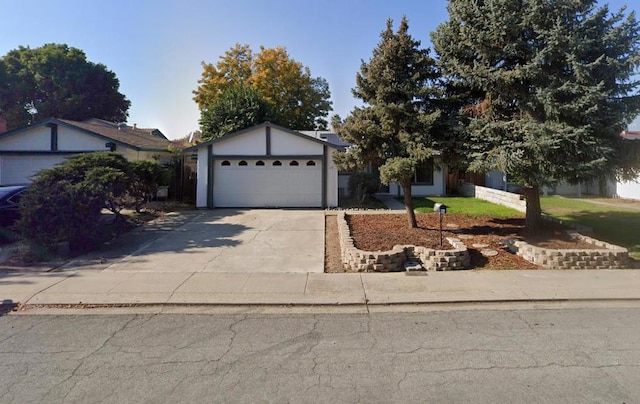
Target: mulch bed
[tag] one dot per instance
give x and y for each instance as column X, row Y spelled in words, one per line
column 383, row 231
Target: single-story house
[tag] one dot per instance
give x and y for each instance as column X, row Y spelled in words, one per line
column 629, row 189
column 27, row 150
column 266, row 166
column 429, row 178
column 605, row 187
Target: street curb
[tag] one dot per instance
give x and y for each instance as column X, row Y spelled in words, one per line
column 28, row 306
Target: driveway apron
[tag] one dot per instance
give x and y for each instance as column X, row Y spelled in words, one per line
column 229, row 240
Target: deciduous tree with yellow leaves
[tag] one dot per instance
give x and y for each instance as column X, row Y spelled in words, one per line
column 294, row 98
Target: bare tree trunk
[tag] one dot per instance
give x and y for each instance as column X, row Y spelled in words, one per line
column 534, row 212
column 408, row 203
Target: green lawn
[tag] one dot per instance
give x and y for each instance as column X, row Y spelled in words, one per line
column 613, row 224
column 467, row 205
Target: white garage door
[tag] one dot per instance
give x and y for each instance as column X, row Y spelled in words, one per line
column 267, row 183
column 17, row 169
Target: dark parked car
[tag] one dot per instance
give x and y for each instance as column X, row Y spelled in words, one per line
column 10, row 203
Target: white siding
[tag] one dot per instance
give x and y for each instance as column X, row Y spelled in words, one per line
column 202, row 182
column 71, row 139
column 286, row 144
column 332, row 180
column 267, row 185
column 248, row 144
column 629, row 190
column 437, row 189
column 18, row 169
column 35, row 139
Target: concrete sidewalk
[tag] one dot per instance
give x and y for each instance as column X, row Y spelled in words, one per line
column 391, row 202
column 108, row 287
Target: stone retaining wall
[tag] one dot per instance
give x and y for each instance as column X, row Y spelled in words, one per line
column 608, row 256
column 508, row 199
column 394, row 259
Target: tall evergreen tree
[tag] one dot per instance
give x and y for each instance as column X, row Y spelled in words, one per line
column 550, row 87
column 392, row 131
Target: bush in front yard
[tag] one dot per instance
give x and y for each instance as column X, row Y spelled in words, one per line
column 146, row 177
column 64, row 203
column 363, row 185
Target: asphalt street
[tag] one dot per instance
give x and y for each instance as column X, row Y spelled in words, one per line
column 546, row 354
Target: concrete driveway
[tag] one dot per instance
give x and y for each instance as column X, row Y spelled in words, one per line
column 229, row 240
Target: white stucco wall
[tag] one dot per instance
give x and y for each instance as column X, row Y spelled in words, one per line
column 70, row 139
column 19, row 169
column 283, row 143
column 439, row 187
column 248, row 144
column 202, row 178
column 34, row 139
column 628, row 190
column 332, row 180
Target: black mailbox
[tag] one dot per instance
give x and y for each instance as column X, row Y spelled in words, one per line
column 440, row 207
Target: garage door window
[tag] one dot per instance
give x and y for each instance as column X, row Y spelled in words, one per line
column 293, row 163
column 259, row 163
column 242, row 163
column 311, row 163
column 277, row 163
column 226, row 163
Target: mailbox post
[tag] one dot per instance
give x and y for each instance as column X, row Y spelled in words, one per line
column 441, row 208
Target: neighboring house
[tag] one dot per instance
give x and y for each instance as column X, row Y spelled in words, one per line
column 629, row 189
column 25, row 151
column 265, row 166
column 336, row 140
column 603, row 187
column 496, row 179
column 429, row 178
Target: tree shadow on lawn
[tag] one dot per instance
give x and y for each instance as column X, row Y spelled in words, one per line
column 503, row 227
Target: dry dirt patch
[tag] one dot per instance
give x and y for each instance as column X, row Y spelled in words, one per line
column 380, row 232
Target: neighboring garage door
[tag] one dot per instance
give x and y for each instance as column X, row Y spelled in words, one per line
column 267, row 183
column 17, row 169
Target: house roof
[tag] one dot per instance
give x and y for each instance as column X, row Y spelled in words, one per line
column 143, row 139
column 631, row 135
column 137, row 138
column 329, row 137
column 262, row 125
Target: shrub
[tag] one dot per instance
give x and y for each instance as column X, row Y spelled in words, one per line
column 146, row 176
column 64, row 203
column 363, row 185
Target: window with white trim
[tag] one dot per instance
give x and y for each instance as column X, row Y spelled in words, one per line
column 423, row 174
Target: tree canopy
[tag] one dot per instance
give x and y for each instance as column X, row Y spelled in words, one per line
column 56, row 80
column 238, row 107
column 393, row 131
column 294, row 98
column 549, row 86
